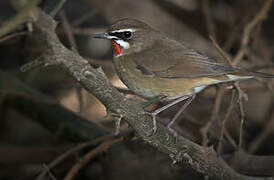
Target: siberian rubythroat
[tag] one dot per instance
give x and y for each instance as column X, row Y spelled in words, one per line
column 153, row 65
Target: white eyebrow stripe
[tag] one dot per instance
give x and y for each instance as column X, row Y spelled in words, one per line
column 123, row 30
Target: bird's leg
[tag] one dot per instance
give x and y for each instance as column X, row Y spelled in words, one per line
column 159, row 110
column 181, row 110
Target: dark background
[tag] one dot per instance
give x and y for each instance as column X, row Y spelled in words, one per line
column 30, row 102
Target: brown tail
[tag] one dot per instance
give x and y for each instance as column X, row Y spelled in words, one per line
column 250, row 72
column 258, row 74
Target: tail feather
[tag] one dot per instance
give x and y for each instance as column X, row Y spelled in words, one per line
column 249, row 72
column 259, row 74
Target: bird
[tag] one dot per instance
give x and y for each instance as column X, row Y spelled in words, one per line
column 153, row 65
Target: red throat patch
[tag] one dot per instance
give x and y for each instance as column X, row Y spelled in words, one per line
column 116, row 48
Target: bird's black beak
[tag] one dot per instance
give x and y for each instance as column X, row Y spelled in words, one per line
column 101, row 36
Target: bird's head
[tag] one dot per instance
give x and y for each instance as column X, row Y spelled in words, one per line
column 129, row 36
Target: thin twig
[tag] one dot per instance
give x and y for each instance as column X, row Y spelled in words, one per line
column 68, row 30
column 13, row 35
column 77, row 148
column 216, row 45
column 241, row 124
column 262, row 14
column 90, row 155
column 230, row 139
column 49, row 172
column 242, row 96
column 214, row 115
column 208, row 18
column 228, row 112
column 223, row 130
column 59, row 5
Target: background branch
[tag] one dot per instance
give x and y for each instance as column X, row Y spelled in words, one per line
column 20, row 18
column 45, row 111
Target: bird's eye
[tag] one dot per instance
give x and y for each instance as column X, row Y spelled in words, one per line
column 127, row 34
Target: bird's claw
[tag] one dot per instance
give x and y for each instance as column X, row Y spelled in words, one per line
column 154, row 129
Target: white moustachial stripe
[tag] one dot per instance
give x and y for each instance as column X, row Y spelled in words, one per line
column 123, row 44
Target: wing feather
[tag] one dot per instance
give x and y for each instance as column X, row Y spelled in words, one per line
column 169, row 59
